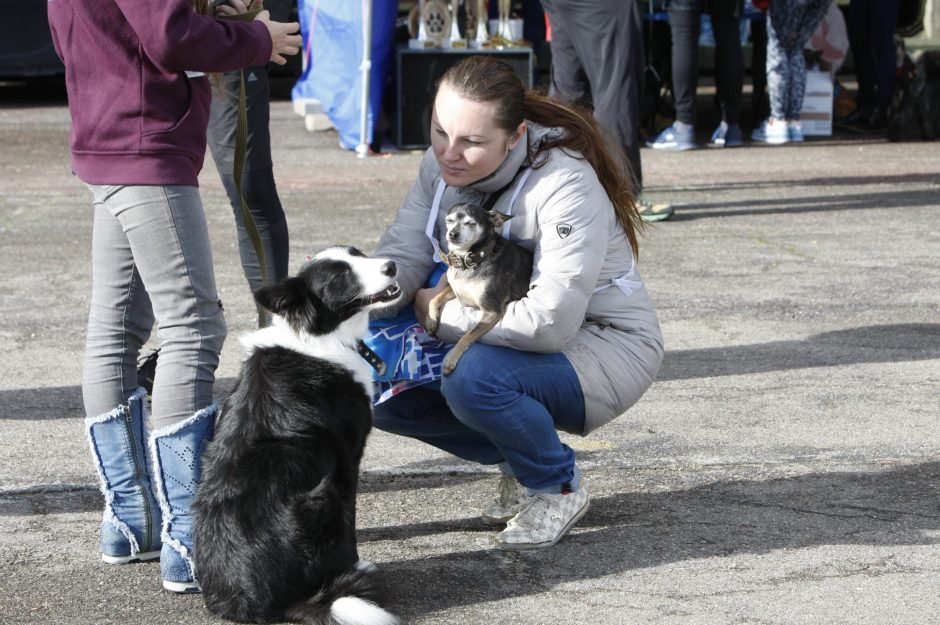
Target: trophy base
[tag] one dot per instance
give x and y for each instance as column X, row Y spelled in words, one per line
column 456, row 44
column 480, row 45
column 501, row 43
column 421, row 44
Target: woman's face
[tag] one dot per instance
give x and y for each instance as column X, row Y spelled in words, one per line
column 466, row 141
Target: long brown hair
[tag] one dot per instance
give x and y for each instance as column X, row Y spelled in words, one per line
column 482, row 78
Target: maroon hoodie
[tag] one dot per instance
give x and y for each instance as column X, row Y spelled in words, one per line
column 137, row 118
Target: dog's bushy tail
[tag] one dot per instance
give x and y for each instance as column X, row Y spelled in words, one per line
column 349, row 599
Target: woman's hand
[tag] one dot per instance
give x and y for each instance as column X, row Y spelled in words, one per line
column 237, row 7
column 284, row 42
column 423, row 298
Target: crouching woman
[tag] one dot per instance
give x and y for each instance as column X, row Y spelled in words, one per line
column 580, row 348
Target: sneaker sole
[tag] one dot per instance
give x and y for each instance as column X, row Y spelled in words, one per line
column 530, row 546
column 492, row 520
column 140, row 557
column 657, row 216
column 182, row 588
column 673, row 147
column 772, row 141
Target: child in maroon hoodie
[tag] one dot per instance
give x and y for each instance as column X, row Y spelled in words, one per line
column 139, row 100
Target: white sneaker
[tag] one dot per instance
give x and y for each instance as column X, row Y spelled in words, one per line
column 543, row 521
column 771, row 131
column 512, row 498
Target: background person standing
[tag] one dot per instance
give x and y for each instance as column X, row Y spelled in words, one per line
column 257, row 182
column 598, row 61
column 871, row 25
column 685, row 19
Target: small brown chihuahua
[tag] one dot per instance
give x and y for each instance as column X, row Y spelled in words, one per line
column 485, row 271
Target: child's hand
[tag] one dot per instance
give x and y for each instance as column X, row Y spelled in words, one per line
column 236, row 7
column 285, row 37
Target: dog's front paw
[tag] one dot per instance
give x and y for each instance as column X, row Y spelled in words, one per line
column 431, row 326
column 450, row 362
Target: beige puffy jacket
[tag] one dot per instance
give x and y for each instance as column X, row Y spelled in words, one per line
column 586, row 298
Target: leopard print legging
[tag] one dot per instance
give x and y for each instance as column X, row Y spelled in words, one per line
column 790, row 24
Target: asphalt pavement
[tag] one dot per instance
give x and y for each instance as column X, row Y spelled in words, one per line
column 784, row 469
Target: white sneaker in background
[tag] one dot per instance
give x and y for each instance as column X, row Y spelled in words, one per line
column 795, row 131
column 771, row 131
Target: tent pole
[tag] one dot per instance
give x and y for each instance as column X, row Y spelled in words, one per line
column 362, row 150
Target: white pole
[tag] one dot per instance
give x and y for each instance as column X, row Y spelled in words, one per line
column 362, row 150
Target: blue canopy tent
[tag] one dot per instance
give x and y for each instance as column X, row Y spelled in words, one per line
column 345, row 41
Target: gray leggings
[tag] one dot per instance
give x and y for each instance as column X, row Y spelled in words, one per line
column 151, row 262
column 790, row 24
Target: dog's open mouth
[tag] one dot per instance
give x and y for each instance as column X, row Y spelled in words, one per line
column 389, row 294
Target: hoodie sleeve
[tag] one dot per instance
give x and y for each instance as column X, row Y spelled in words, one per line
column 177, row 38
column 572, row 220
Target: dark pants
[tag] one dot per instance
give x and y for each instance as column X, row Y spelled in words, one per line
column 685, row 24
column 258, row 186
column 597, row 61
column 871, row 25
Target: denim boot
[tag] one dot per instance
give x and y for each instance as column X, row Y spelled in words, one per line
column 130, row 530
column 177, row 461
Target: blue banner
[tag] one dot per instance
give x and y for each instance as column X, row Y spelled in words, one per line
column 333, row 52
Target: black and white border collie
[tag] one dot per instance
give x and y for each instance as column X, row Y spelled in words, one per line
column 274, row 516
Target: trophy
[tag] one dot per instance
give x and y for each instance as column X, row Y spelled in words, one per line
column 503, row 30
column 433, row 25
column 482, row 37
column 455, row 40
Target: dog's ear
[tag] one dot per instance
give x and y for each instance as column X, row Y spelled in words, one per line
column 289, row 299
column 498, row 219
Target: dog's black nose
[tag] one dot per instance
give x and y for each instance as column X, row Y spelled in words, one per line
column 389, row 269
column 452, row 236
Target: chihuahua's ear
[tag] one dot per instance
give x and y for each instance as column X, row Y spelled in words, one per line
column 498, row 219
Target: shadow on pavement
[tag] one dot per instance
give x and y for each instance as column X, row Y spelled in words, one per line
column 868, row 344
column 631, row 531
column 817, row 203
column 832, row 181
column 62, row 402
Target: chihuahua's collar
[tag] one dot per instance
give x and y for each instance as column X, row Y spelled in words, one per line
column 473, row 258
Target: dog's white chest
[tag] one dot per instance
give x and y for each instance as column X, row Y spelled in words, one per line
column 469, row 291
column 330, row 348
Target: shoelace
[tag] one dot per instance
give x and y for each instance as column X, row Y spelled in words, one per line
column 509, row 493
column 530, row 517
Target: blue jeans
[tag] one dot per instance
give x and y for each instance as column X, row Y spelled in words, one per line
column 151, row 262
column 500, row 406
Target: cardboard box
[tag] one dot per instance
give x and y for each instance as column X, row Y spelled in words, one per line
column 816, row 114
